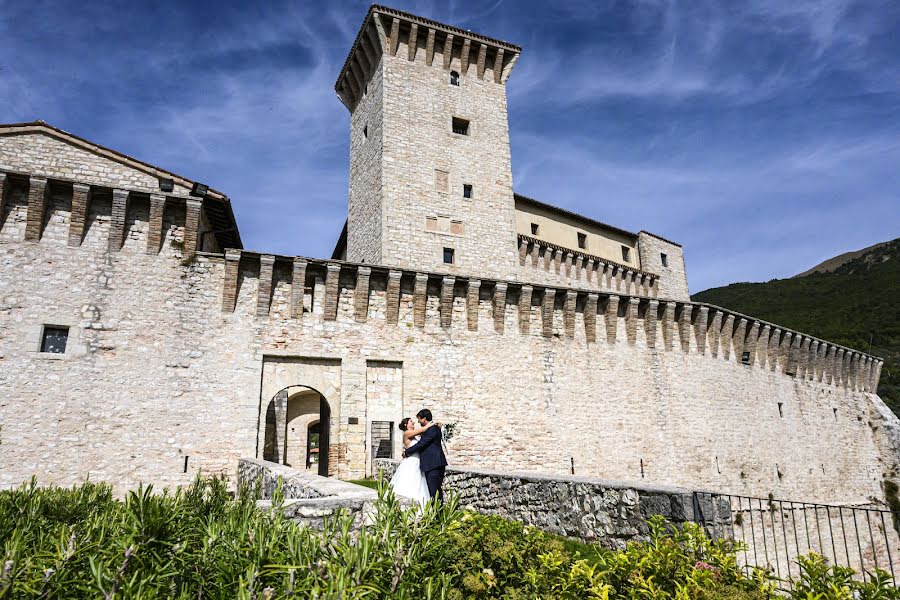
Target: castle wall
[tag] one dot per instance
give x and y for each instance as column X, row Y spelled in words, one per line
column 43, row 155
column 626, row 388
column 563, row 231
column 426, row 166
column 672, row 277
column 365, row 215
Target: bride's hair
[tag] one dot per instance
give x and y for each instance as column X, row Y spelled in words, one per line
column 403, row 423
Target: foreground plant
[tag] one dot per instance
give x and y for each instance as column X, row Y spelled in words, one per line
column 200, row 542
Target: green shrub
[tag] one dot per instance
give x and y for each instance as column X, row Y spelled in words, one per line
column 202, row 542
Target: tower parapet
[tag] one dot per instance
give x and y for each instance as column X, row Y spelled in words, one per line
column 387, row 30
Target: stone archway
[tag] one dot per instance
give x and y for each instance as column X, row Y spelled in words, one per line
column 289, row 414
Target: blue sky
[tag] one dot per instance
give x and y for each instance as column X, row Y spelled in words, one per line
column 762, row 135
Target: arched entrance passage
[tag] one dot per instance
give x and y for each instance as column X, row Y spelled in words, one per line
column 298, row 424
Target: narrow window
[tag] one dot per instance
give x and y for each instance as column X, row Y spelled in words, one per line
column 535, row 230
column 664, row 258
column 582, row 240
column 454, row 78
column 54, row 339
column 781, row 409
column 460, row 126
column 382, row 439
column 834, row 411
column 626, row 253
column 366, row 131
column 467, row 191
column 449, row 256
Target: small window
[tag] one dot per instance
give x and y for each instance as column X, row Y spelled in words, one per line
column 582, row 240
column 382, row 439
column 626, row 253
column 54, row 340
column 664, row 258
column 781, row 409
column 449, row 256
column 745, row 358
column 366, row 131
column 467, row 191
column 454, row 78
column 460, row 126
column 535, row 229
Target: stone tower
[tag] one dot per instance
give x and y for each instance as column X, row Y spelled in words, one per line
column 430, row 176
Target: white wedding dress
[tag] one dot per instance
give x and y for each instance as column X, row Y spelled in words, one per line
column 409, row 481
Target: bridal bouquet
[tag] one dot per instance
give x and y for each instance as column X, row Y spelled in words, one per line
column 447, row 431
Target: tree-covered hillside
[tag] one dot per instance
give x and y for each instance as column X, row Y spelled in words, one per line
column 856, row 304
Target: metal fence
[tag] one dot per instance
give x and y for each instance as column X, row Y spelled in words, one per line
column 776, row 532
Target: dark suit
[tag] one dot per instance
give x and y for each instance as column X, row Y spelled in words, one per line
column 431, row 460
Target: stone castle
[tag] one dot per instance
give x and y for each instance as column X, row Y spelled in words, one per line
column 139, row 341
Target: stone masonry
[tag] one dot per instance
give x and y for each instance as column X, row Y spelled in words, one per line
column 186, row 352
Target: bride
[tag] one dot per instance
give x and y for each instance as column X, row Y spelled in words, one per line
column 408, row 480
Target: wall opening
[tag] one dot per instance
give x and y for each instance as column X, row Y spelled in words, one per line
column 460, row 126
column 54, row 339
column 382, row 439
column 297, row 429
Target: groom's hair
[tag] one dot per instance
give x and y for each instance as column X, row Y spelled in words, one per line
column 404, row 423
column 424, row 414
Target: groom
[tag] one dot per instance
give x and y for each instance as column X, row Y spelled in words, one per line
column 431, row 456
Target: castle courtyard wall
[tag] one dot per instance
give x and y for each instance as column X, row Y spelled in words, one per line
column 157, row 371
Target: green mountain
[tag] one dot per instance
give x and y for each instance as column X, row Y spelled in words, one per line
column 852, row 299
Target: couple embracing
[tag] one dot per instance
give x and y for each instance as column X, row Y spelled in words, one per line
column 420, row 474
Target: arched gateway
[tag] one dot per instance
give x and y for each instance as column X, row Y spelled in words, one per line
column 297, row 430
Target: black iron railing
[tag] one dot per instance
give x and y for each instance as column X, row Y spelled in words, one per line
column 775, row 532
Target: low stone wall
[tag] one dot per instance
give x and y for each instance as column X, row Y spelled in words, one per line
column 609, row 512
column 309, row 498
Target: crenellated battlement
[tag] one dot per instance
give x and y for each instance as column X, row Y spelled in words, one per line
column 594, row 271
column 451, row 302
column 385, row 30
column 37, row 197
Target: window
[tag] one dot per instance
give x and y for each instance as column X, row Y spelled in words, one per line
column 460, row 126
column 366, row 131
column 382, row 439
column 535, row 229
column 467, row 191
column 745, row 358
column 626, row 253
column 664, row 258
column 449, row 256
column 582, row 240
column 454, row 78
column 781, row 409
column 54, row 339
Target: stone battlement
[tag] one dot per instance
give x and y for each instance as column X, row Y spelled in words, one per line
column 383, row 31
column 440, row 301
column 577, row 266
